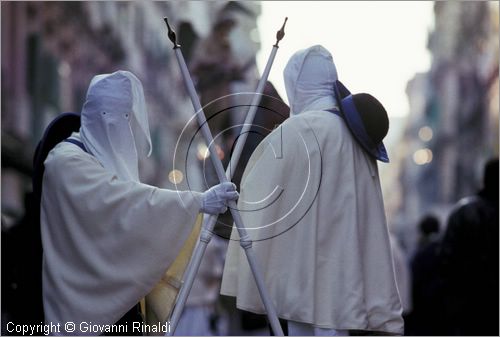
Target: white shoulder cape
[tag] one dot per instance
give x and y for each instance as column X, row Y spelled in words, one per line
column 106, row 241
column 312, row 199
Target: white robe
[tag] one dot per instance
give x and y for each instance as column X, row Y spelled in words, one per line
column 333, row 268
column 312, row 199
column 106, row 241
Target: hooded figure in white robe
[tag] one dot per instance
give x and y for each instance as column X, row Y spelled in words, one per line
column 312, row 203
column 108, row 238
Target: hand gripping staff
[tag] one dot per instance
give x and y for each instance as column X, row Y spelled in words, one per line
column 208, row 226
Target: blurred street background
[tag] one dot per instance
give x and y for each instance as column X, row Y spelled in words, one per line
column 434, row 65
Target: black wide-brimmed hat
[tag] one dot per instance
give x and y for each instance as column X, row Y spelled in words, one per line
column 366, row 118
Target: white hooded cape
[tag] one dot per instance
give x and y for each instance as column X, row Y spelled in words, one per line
column 115, row 127
column 312, row 199
column 107, row 238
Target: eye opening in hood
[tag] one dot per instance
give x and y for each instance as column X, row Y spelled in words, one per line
column 115, row 126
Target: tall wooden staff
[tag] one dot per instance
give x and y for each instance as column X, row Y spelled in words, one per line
column 207, row 230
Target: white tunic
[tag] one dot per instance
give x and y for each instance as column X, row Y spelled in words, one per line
column 312, row 199
column 106, row 241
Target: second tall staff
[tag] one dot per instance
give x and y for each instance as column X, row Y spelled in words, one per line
column 208, row 226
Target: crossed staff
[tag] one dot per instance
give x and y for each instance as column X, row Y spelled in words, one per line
column 208, row 225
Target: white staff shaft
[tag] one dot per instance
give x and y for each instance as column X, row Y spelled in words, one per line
column 240, row 142
column 192, row 270
column 200, row 115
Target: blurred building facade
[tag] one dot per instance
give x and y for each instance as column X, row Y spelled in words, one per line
column 452, row 127
column 51, row 50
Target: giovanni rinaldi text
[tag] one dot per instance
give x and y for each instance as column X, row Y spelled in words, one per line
column 85, row 327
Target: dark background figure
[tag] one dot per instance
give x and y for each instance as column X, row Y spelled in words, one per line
column 21, row 270
column 429, row 231
column 215, row 68
column 427, row 284
column 470, row 260
column 272, row 111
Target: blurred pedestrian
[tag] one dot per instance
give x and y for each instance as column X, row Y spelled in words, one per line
column 470, row 260
column 427, row 284
column 21, row 269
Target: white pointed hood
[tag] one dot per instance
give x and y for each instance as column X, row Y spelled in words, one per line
column 115, row 126
column 309, row 78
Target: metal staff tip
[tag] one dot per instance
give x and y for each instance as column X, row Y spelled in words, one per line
column 171, row 34
column 280, row 33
